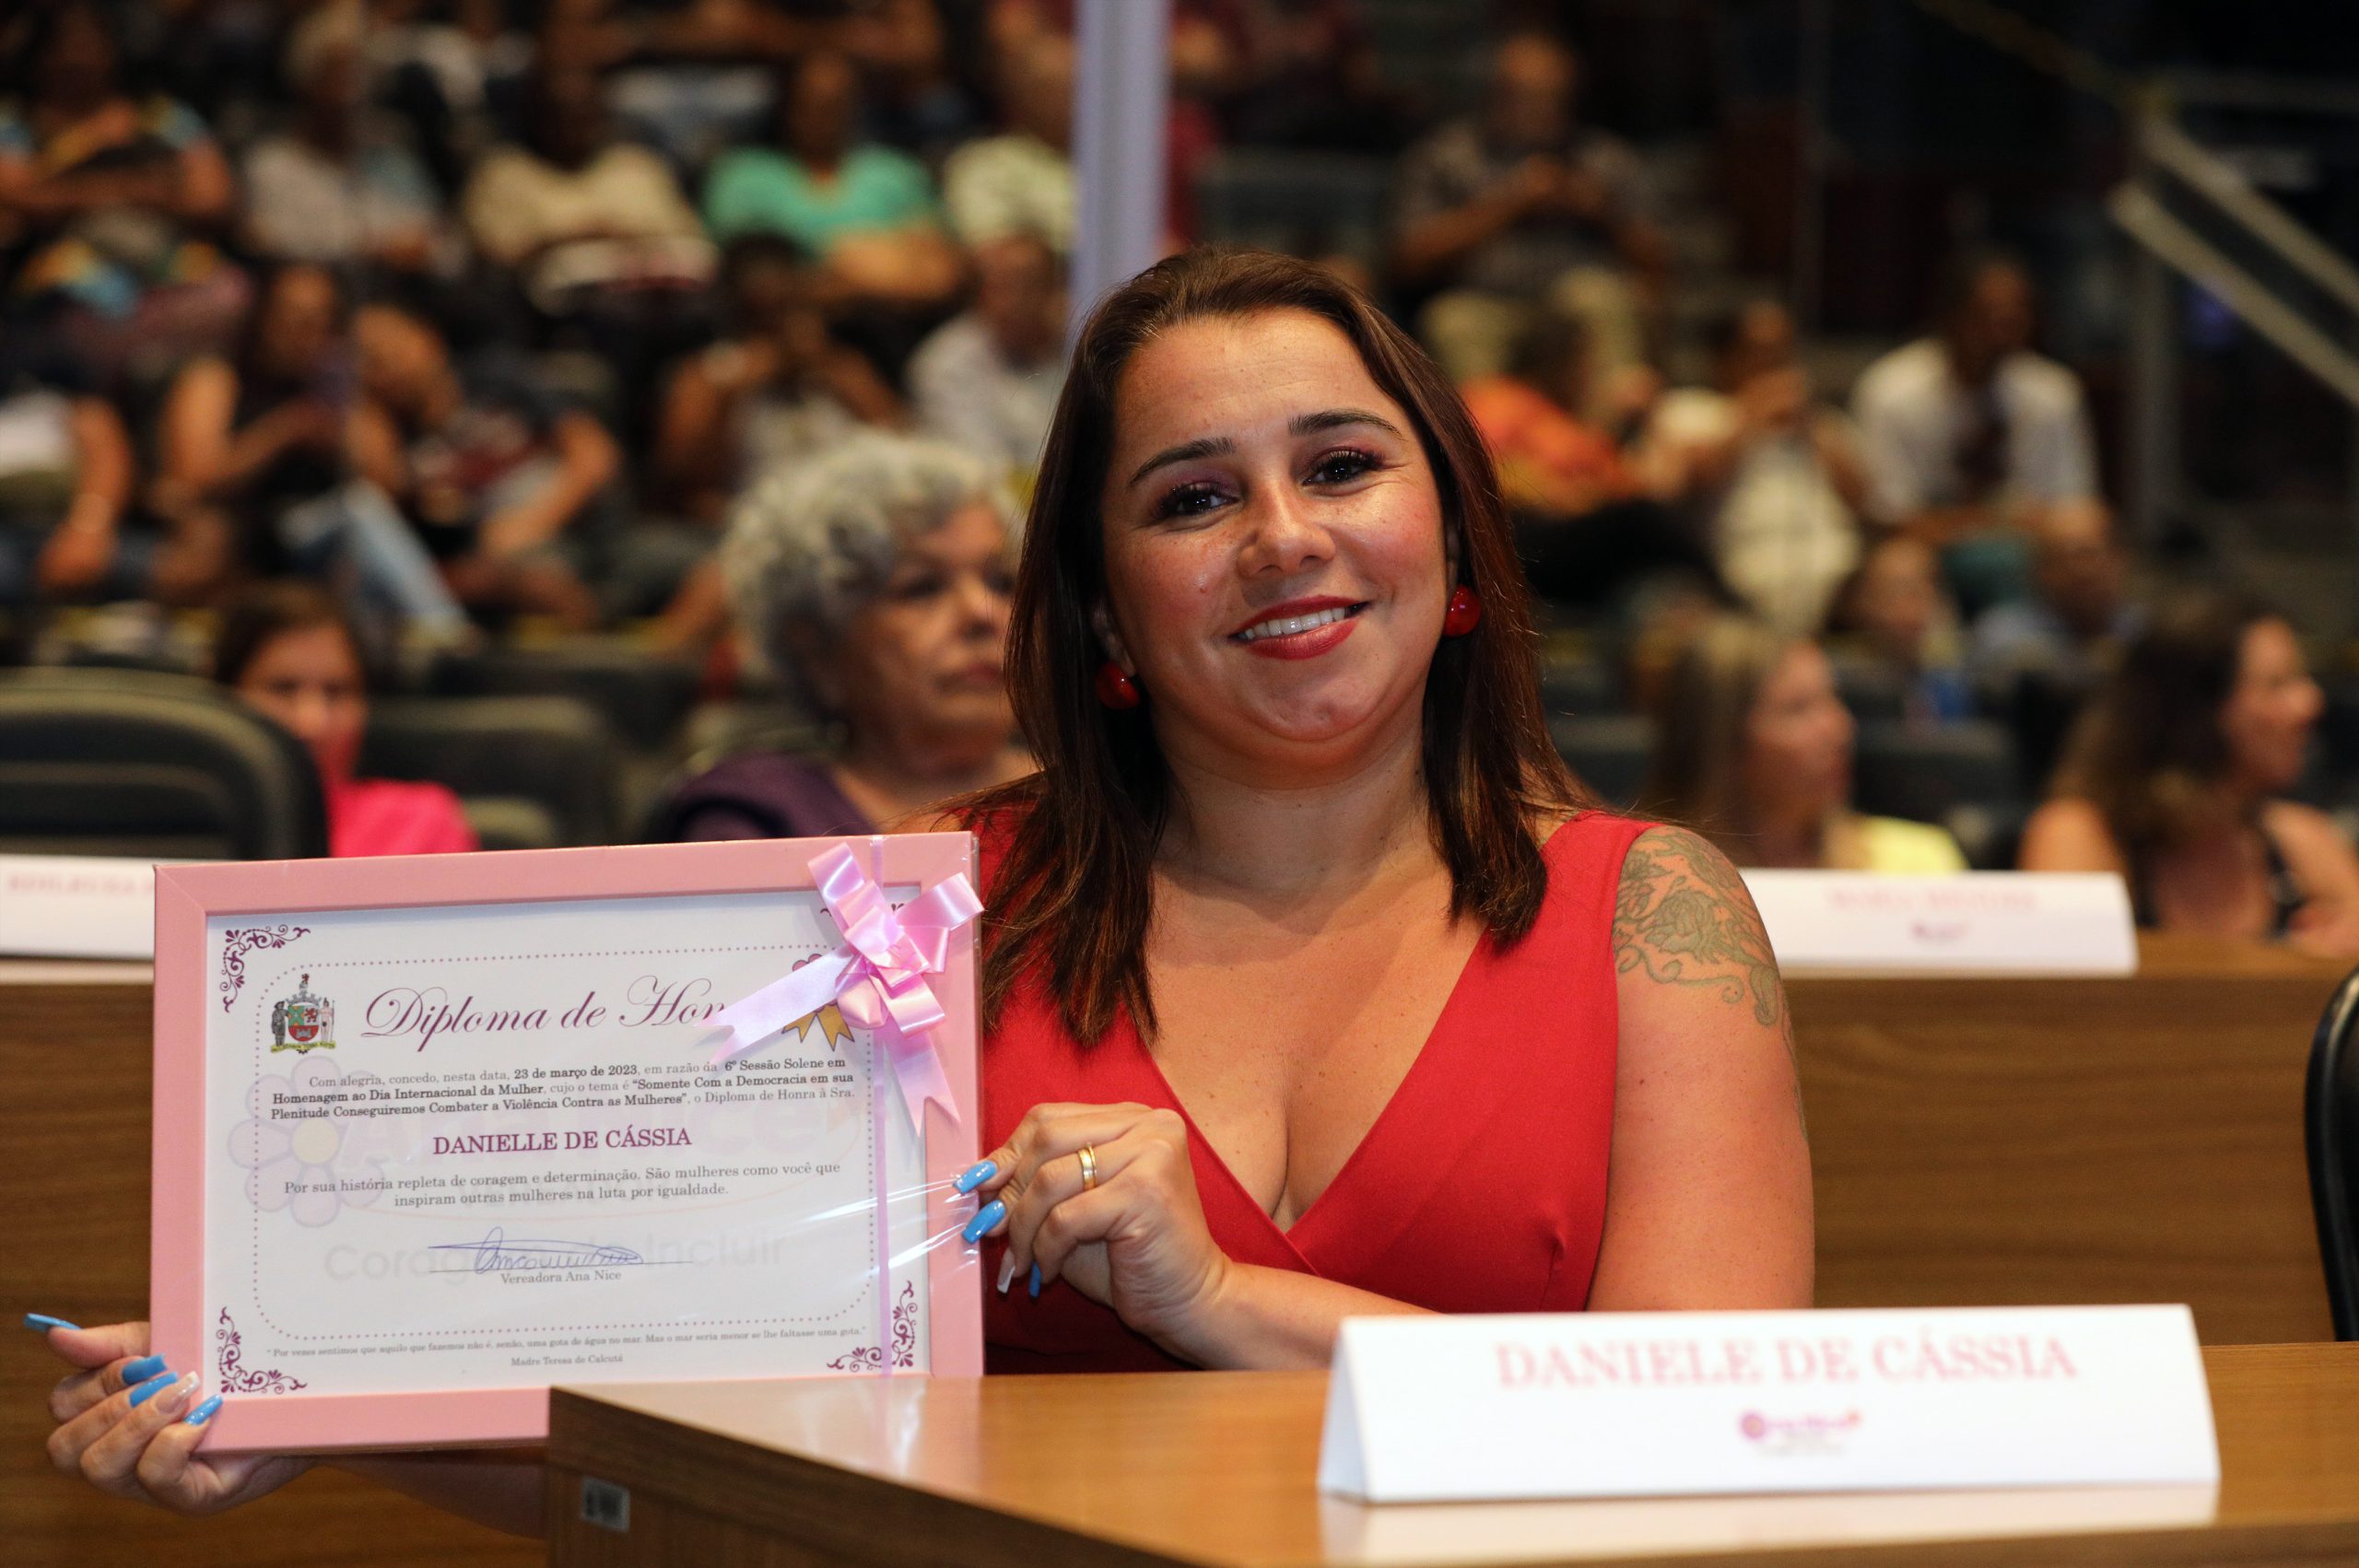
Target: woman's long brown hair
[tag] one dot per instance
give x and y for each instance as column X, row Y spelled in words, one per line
column 2149, row 752
column 1072, row 896
column 1701, row 711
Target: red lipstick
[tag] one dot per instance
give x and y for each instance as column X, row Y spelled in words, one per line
column 1299, row 629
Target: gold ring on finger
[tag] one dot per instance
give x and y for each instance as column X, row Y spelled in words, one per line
column 1088, row 1167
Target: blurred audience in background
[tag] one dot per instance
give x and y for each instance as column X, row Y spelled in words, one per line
column 2072, row 627
column 114, row 205
column 1020, row 182
column 778, row 389
column 917, row 98
column 1770, row 474
column 341, row 182
column 1588, row 534
column 866, row 213
column 259, row 430
column 988, row 378
column 484, row 318
column 2035, row 661
column 447, row 69
column 1523, row 208
column 2079, row 613
column 1754, row 750
column 65, row 490
column 1535, row 415
column 874, row 582
column 1966, row 429
column 1307, row 73
column 285, row 650
column 2177, row 779
column 258, row 462
column 1893, row 623
column 574, row 213
column 504, row 485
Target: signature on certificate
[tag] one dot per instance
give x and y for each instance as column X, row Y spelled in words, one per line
column 495, row 1253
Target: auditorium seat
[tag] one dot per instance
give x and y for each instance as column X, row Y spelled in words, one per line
column 555, row 753
column 510, row 822
column 1283, row 199
column 2330, row 1124
column 644, row 696
column 1925, row 773
column 1963, row 775
column 1872, row 690
column 1608, row 753
column 718, row 730
column 149, row 767
column 2041, row 707
column 2339, row 734
column 1579, row 685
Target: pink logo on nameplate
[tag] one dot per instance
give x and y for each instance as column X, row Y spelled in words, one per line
column 1784, row 1436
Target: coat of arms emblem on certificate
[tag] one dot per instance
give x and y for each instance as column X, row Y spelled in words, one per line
column 303, row 1021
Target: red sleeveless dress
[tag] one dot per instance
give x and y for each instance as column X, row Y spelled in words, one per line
column 1480, row 1187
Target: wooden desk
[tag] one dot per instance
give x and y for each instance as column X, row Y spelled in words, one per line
column 1977, row 1141
column 75, row 1064
column 1218, row 1469
column 1993, row 1142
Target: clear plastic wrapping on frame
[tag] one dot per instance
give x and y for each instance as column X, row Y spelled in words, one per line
column 488, row 1147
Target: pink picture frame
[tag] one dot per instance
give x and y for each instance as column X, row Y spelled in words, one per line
column 188, row 897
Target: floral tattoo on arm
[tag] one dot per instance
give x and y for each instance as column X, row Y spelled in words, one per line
column 1684, row 915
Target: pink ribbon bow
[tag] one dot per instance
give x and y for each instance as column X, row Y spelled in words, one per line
column 877, row 977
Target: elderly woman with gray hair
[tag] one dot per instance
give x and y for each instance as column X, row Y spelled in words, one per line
column 874, row 582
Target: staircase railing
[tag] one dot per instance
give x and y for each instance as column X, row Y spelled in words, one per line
column 2168, row 161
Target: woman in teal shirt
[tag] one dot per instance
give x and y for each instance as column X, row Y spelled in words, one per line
column 866, row 213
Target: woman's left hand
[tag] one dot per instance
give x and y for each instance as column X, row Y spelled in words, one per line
column 1136, row 1242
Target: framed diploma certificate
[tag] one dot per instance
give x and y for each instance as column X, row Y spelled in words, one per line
column 433, row 1133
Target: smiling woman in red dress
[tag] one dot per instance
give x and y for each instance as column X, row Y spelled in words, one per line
column 1313, row 987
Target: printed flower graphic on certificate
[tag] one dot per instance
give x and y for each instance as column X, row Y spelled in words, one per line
column 301, row 1149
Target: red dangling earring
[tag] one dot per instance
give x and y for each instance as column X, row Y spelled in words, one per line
column 1465, row 613
column 1115, row 687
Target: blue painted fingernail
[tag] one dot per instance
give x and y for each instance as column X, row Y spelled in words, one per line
column 203, row 1412
column 990, row 1214
column 1036, row 1282
column 150, row 1389
column 975, row 1176
column 143, row 1369
column 41, row 1322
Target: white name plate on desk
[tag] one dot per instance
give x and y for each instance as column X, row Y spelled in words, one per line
column 1969, row 923
column 77, row 907
column 1439, row 1409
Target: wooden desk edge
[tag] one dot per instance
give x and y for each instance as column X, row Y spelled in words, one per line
column 868, row 1518
column 834, row 1508
column 17, row 971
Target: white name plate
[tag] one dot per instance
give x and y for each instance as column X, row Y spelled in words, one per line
column 1970, row 923
column 1437, row 1410
column 77, row 907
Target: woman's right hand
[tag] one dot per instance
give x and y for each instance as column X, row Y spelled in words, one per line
column 147, row 1451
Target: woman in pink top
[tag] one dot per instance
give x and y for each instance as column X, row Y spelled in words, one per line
column 288, row 652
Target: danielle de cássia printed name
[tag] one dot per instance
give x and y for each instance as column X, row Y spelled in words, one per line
column 428, row 1012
